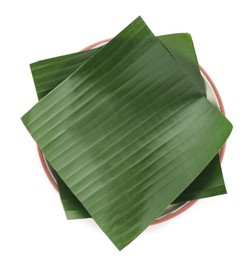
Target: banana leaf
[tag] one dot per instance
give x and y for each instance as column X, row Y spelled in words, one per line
column 127, row 132
column 47, row 74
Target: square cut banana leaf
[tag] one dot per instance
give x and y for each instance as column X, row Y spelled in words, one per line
column 47, row 74
column 127, row 132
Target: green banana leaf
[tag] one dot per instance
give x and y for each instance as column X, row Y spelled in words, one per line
column 47, row 74
column 127, row 132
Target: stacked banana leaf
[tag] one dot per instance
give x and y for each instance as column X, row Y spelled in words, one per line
column 127, row 129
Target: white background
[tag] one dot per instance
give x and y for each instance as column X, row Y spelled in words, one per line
column 32, row 221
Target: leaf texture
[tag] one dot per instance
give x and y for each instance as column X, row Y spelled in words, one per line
column 47, row 74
